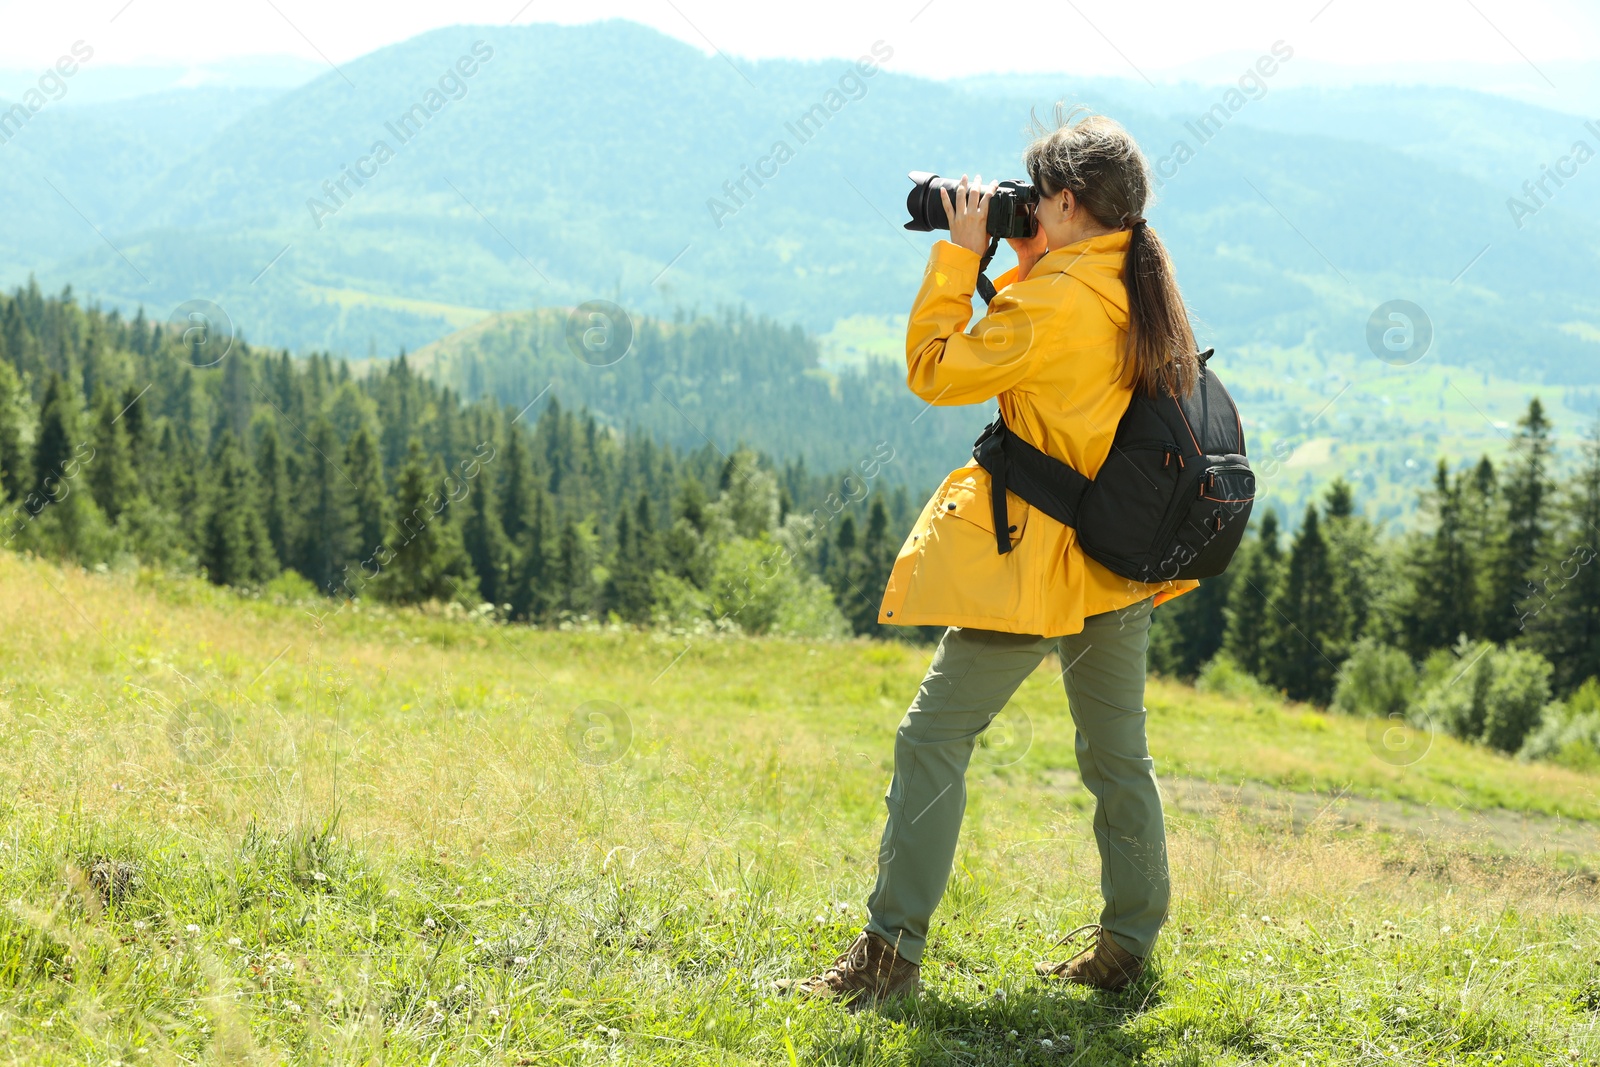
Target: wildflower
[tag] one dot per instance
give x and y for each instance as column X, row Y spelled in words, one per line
column 1444, row 929
column 192, row 928
column 139, row 924
column 1046, row 1042
column 1267, row 919
column 429, row 923
column 460, row 989
column 520, row 961
column 234, row 942
column 613, row 1033
column 841, row 906
column 291, row 1007
column 319, row 876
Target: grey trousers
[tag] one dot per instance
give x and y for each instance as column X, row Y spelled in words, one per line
column 973, row 675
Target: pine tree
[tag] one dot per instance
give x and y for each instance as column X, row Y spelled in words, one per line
column 576, row 587
column 1562, row 618
column 486, row 542
column 235, row 548
column 327, row 521
column 533, row 595
column 272, row 477
column 1352, row 559
column 59, row 451
column 363, row 462
column 1248, row 614
column 628, row 590
column 862, row 568
column 517, row 500
column 429, row 562
column 1527, row 496
column 682, row 550
column 15, row 470
column 111, row 474
column 1443, row 602
column 1298, row 652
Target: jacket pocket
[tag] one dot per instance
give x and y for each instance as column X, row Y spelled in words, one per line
column 967, row 498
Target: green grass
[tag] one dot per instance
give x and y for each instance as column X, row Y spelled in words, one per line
column 375, row 844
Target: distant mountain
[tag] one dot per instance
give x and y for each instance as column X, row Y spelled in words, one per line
column 580, row 162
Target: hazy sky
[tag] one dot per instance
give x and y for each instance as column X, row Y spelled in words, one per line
column 1534, row 40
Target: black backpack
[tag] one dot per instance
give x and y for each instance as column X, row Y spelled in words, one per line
column 1171, row 500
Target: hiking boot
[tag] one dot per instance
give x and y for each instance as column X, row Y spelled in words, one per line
column 1102, row 963
column 870, row 971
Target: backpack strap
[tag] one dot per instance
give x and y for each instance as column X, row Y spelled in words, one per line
column 1037, row 477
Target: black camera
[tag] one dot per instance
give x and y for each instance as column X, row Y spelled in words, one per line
column 1011, row 206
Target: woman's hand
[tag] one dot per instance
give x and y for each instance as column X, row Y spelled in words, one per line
column 969, row 216
column 1029, row 251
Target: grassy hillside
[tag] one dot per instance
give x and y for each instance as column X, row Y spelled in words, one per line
column 242, row 831
column 1292, row 221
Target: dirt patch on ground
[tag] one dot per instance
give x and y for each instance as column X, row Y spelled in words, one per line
column 1521, row 833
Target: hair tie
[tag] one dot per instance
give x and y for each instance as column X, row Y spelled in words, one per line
column 1129, row 221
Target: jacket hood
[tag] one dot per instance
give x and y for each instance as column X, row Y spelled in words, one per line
column 1097, row 263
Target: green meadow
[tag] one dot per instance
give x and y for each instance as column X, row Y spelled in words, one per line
column 251, row 830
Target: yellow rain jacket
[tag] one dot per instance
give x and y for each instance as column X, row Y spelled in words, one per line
column 1048, row 350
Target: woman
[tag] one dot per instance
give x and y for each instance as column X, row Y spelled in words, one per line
column 1090, row 314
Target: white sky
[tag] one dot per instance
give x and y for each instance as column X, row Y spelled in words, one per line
column 1159, row 39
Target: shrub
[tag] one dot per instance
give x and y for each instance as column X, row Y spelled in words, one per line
column 756, row 584
column 1222, row 676
column 1491, row 695
column 1519, row 689
column 1376, row 680
column 1569, row 732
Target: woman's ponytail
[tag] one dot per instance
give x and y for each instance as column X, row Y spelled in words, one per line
column 1101, row 163
column 1160, row 354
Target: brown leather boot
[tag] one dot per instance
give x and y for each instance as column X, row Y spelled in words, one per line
column 1103, row 963
column 870, row 971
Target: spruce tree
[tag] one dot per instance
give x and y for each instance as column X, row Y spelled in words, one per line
column 272, row 477
column 628, row 590
column 15, row 470
column 111, row 474
column 429, row 562
column 485, row 541
column 1442, row 604
column 517, row 499
column 327, row 518
column 1352, row 559
column 1299, row 659
column 235, row 547
column 533, row 596
column 58, row 452
column 363, row 462
column 1523, row 551
column 1248, row 619
column 1561, row 620
column 573, row 580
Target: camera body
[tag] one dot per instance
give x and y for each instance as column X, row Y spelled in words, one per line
column 1011, row 206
